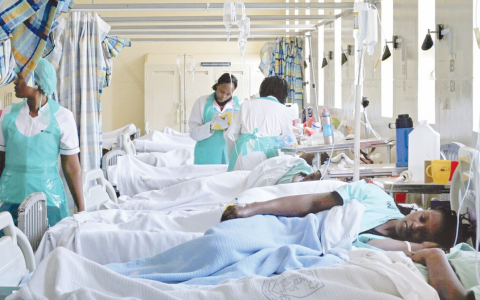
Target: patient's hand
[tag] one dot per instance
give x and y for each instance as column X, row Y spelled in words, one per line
column 235, row 212
column 423, row 255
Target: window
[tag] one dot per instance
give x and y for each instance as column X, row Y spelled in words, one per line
column 337, row 57
column 387, row 65
column 476, row 75
column 321, row 75
column 426, row 63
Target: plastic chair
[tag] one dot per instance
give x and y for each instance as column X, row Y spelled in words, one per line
column 110, row 159
column 449, row 151
column 99, row 193
column 16, row 255
column 32, row 218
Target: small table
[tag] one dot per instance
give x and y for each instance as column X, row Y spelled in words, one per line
column 344, row 145
column 417, row 187
column 414, row 187
column 366, row 171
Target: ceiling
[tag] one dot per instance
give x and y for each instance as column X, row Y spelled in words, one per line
column 201, row 21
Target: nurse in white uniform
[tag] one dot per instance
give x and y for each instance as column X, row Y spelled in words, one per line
column 33, row 133
column 209, row 118
column 252, row 135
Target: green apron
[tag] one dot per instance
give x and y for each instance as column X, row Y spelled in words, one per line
column 31, row 165
column 213, row 150
column 265, row 144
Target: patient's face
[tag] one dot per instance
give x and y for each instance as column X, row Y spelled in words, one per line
column 420, row 226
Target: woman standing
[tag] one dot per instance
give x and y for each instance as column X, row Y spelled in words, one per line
column 252, row 136
column 33, row 133
column 206, row 122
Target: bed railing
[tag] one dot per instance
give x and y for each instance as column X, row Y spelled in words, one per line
column 96, row 190
column 32, row 218
column 110, row 159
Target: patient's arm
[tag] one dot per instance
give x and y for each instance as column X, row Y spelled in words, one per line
column 441, row 276
column 291, row 206
column 396, row 245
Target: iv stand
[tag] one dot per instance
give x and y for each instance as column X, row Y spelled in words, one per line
column 184, row 86
column 312, row 79
column 184, row 92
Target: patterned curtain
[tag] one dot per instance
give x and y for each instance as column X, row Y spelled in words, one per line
column 28, row 24
column 7, row 63
column 82, row 58
column 287, row 62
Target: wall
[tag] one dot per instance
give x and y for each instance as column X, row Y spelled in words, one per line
column 453, row 109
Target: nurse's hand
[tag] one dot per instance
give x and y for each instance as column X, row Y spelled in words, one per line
column 222, row 122
column 235, row 212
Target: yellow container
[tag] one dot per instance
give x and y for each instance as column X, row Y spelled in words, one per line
column 439, row 170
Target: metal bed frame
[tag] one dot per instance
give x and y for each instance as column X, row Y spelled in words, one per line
column 32, row 218
column 110, row 159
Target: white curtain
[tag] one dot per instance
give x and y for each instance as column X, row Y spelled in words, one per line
column 79, row 58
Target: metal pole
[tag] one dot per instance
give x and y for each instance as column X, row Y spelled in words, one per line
column 314, row 83
column 358, row 98
column 184, row 92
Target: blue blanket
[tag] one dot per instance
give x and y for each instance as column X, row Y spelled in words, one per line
column 260, row 245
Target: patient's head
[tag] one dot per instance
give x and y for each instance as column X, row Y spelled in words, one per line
column 437, row 225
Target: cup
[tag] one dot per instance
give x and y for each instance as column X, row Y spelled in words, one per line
column 439, row 170
column 427, row 179
column 454, row 167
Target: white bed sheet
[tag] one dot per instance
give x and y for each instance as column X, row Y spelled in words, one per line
column 157, row 141
column 111, row 236
column 173, row 132
column 134, row 177
column 369, row 275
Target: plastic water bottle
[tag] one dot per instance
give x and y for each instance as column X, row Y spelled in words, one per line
column 283, row 141
column 327, row 127
column 423, row 144
column 403, row 125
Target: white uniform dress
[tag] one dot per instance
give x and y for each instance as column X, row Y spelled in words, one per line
column 29, row 126
column 198, row 130
column 268, row 117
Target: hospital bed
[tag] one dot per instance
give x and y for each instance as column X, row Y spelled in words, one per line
column 16, row 259
column 113, row 140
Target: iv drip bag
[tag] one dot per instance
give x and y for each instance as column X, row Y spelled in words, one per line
column 240, row 13
column 360, row 21
column 372, row 34
column 192, row 67
column 247, row 27
column 228, row 15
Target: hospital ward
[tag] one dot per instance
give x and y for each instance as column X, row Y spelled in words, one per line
column 240, row 149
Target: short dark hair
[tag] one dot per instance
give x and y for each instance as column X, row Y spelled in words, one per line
column 226, row 78
column 275, row 86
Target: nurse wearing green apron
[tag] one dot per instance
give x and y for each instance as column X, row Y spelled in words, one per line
column 261, row 126
column 210, row 116
column 33, row 134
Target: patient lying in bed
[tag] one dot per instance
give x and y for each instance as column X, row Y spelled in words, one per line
column 267, row 245
column 133, row 176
